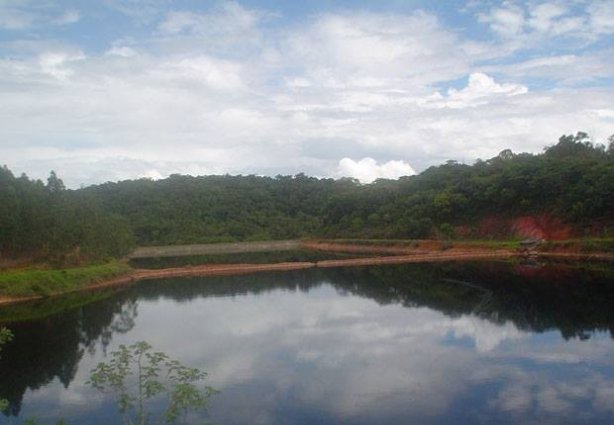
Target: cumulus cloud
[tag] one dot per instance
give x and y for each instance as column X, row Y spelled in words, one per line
column 367, row 169
column 240, row 90
column 480, row 90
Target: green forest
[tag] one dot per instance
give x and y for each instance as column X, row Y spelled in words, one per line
column 572, row 180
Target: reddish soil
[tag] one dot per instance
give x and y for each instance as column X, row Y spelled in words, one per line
column 540, row 226
column 217, row 270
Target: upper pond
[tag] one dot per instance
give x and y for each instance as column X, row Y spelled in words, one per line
column 444, row 343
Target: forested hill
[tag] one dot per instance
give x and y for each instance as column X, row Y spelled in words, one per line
column 570, row 183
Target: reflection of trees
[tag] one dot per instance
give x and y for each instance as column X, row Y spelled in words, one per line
column 52, row 347
column 575, row 301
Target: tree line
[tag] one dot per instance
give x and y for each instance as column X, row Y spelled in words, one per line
column 49, row 222
column 572, row 180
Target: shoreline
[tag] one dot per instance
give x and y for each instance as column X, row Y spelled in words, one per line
column 404, row 256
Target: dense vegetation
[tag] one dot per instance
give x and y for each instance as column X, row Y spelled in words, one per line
column 572, row 180
column 41, row 221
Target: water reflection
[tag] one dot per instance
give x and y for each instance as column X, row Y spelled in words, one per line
column 52, row 348
column 574, row 300
column 429, row 344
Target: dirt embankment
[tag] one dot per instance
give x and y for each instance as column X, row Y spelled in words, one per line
column 422, row 252
column 236, row 269
column 362, row 249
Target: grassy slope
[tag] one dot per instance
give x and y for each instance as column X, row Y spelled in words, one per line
column 36, row 281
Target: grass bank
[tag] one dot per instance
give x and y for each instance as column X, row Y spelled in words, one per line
column 429, row 244
column 605, row 245
column 44, row 282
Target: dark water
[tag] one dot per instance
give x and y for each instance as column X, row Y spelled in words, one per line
column 488, row 343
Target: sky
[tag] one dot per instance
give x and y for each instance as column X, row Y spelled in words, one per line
column 123, row 89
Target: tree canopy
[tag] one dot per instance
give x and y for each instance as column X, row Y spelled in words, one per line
column 572, row 180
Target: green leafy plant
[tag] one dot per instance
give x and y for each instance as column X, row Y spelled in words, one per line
column 139, row 377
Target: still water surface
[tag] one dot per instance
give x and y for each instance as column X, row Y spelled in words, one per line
column 485, row 343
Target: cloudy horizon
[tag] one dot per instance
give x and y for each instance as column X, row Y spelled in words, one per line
column 147, row 88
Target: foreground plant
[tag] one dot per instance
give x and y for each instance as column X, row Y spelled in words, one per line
column 138, row 377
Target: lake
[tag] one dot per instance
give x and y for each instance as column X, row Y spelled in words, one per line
column 489, row 342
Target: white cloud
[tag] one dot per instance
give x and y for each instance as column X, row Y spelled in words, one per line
column 567, row 69
column 340, row 50
column 535, row 24
column 228, row 29
column 601, row 17
column 232, row 93
column 71, row 16
column 213, row 73
column 57, row 64
column 19, row 15
column 487, row 336
column 141, row 11
column 229, row 18
column 480, row 90
column 14, row 16
column 605, row 113
column 367, row 169
column 506, row 21
column 543, row 17
column 123, row 51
